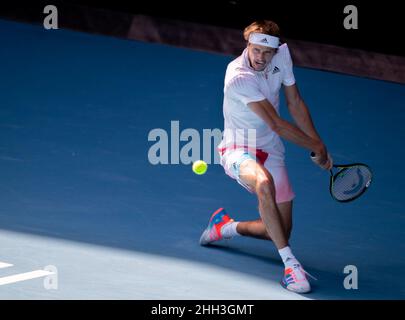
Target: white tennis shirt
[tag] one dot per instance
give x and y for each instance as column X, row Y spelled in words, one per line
column 244, row 85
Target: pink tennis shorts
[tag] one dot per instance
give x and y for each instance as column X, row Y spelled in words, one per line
column 232, row 159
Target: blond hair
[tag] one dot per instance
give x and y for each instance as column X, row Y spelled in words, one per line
column 262, row 26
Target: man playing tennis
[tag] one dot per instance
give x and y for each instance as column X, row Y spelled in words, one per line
column 251, row 101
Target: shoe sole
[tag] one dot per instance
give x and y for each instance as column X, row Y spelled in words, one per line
column 295, row 291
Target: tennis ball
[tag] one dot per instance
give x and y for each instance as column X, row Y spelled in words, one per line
column 200, row 167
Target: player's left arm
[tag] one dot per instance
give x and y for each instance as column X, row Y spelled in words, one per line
column 299, row 111
column 302, row 118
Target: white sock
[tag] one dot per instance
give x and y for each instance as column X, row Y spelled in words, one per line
column 228, row 231
column 287, row 256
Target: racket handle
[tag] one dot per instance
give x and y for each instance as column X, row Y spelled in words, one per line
column 313, row 156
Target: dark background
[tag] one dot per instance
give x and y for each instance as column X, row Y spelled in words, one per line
column 380, row 29
column 380, row 23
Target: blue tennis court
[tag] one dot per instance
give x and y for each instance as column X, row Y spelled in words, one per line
column 79, row 194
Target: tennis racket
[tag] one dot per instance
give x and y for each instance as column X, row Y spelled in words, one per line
column 349, row 181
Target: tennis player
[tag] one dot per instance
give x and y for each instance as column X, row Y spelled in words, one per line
column 251, row 101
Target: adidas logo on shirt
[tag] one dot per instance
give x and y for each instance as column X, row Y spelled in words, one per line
column 275, row 70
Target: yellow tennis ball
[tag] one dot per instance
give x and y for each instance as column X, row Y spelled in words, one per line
column 200, row 167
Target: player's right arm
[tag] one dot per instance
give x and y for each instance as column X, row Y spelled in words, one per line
column 265, row 110
column 244, row 87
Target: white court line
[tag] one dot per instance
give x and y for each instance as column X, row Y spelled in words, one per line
column 24, row 276
column 5, row 265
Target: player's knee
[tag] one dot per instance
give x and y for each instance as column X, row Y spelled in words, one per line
column 265, row 188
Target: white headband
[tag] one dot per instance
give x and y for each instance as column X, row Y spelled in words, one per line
column 264, row 40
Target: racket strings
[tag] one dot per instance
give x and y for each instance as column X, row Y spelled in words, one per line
column 351, row 182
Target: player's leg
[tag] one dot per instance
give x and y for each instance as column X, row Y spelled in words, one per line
column 257, row 229
column 258, row 179
column 275, row 216
column 219, row 226
column 285, row 209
